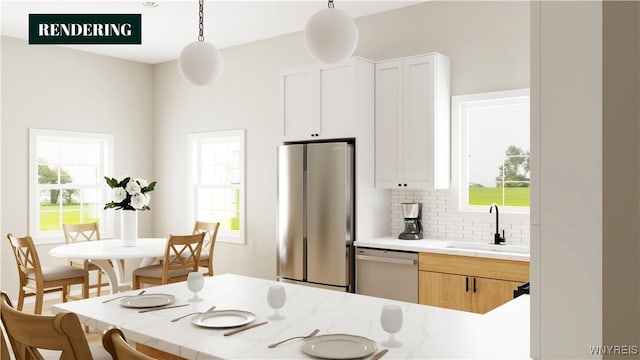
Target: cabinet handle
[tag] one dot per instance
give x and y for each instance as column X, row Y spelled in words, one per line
column 474, row 284
column 399, row 184
column 466, row 284
column 405, row 184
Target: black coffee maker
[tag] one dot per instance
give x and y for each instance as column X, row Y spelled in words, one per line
column 412, row 226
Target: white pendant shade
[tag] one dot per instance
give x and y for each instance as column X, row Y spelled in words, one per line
column 331, row 36
column 200, row 63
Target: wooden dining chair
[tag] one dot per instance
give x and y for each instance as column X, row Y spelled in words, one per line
column 181, row 256
column 27, row 333
column 116, row 344
column 211, row 232
column 4, row 346
column 36, row 280
column 85, row 232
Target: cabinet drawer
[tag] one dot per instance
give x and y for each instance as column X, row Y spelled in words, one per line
column 475, row 266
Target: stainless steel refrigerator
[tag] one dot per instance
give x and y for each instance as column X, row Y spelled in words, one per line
column 316, row 214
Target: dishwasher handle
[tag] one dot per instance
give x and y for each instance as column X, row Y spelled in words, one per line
column 388, row 260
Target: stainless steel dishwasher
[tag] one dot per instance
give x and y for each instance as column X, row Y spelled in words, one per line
column 387, row 273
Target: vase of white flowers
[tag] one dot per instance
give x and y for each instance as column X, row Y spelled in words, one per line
column 129, row 195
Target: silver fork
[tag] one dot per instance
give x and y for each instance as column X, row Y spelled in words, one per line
column 123, row 296
column 313, row 333
column 193, row 313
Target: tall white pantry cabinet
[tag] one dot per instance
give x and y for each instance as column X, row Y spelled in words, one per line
column 413, row 122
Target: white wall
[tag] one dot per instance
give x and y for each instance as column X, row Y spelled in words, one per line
column 51, row 87
column 567, row 160
column 488, row 45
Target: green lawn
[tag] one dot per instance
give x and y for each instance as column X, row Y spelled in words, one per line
column 50, row 216
column 487, row 196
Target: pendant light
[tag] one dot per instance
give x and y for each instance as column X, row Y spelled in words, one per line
column 200, row 62
column 330, row 35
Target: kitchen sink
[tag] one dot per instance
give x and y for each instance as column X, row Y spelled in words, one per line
column 514, row 249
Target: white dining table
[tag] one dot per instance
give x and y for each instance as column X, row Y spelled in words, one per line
column 427, row 332
column 107, row 254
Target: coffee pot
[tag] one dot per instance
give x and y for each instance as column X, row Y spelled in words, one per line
column 412, row 225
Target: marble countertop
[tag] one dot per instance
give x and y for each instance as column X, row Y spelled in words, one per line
column 427, row 332
column 506, row 252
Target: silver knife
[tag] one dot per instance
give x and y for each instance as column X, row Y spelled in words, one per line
column 235, row 331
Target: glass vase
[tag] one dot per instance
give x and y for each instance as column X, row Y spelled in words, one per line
column 128, row 227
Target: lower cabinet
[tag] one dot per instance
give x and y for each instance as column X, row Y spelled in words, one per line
column 468, row 283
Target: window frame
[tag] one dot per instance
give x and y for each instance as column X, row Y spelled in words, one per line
column 225, row 236
column 460, row 176
column 106, row 143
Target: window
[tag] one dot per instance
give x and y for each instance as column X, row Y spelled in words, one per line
column 217, row 182
column 492, row 148
column 67, row 181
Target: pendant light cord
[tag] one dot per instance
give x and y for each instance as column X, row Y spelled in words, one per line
column 330, row 4
column 200, row 25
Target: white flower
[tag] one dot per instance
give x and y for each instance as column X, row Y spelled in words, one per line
column 147, row 198
column 143, row 183
column 138, row 201
column 118, row 195
column 133, row 188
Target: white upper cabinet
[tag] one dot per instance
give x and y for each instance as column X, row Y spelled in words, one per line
column 300, row 98
column 325, row 101
column 413, row 122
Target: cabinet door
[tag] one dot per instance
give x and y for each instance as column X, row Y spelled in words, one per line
column 337, row 118
column 300, row 103
column 444, row 290
column 488, row 294
column 389, row 124
column 418, row 135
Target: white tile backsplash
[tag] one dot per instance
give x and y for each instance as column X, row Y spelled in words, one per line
column 441, row 219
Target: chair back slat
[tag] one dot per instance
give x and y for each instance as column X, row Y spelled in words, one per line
column 81, row 232
column 26, row 255
column 183, row 252
column 210, row 230
column 27, row 333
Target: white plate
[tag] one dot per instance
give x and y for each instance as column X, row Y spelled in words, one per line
column 223, row 318
column 339, row 346
column 147, row 300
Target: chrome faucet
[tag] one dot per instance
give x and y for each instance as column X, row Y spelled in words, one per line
column 497, row 238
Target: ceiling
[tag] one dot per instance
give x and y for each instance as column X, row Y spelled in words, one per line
column 167, row 28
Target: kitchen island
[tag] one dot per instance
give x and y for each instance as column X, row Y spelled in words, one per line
column 427, row 333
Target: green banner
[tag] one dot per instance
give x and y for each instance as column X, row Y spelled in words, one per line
column 85, row 29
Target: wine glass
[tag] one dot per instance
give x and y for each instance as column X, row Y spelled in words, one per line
column 391, row 321
column 276, row 297
column 195, row 283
